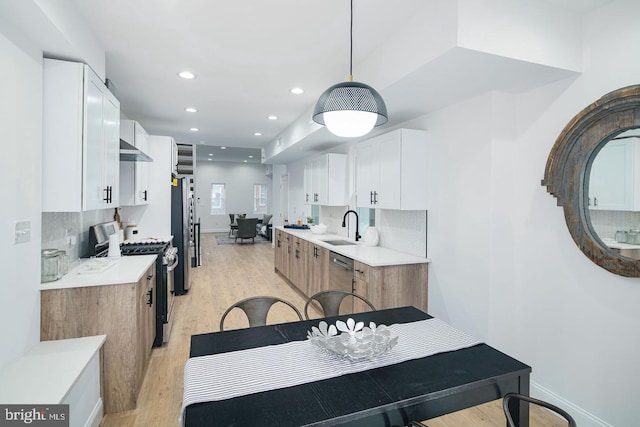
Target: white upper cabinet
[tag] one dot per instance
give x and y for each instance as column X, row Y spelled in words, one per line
column 392, row 171
column 614, row 181
column 81, row 139
column 134, row 176
column 325, row 180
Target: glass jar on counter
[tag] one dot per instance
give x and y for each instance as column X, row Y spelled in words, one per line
column 63, row 262
column 50, row 268
column 633, row 237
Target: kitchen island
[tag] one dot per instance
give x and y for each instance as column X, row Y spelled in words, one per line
column 112, row 297
column 386, row 277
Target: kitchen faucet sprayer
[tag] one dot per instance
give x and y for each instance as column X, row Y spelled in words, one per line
column 344, row 222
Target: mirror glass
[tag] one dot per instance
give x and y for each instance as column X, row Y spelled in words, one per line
column 614, row 194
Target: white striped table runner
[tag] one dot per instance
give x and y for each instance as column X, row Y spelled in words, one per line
column 238, row 373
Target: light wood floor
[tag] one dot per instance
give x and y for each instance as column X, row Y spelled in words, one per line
column 230, row 273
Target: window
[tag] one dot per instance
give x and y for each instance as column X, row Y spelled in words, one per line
column 260, row 198
column 367, row 218
column 218, row 203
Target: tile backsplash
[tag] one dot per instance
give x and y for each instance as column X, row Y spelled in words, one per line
column 403, row 231
column 606, row 223
column 59, row 227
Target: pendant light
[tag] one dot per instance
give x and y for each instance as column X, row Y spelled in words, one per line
column 350, row 109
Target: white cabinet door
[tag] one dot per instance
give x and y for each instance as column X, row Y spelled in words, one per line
column 94, row 193
column 320, row 173
column 389, row 186
column 81, row 127
column 111, row 132
column 325, row 180
column 308, row 182
column 134, row 175
column 367, row 174
column 142, row 168
column 392, row 171
column 611, row 181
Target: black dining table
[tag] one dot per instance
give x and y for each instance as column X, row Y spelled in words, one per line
column 392, row 395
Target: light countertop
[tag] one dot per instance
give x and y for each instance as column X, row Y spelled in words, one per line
column 103, row 271
column 45, row 374
column 612, row 243
column 374, row 256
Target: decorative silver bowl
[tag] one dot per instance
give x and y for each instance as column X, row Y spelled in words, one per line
column 356, row 341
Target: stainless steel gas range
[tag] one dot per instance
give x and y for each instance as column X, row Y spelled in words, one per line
column 166, row 263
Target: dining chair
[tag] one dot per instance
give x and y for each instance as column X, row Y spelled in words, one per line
column 511, row 401
column 232, row 224
column 246, row 229
column 256, row 309
column 330, row 301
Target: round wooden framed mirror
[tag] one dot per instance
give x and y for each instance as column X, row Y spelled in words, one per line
column 569, row 171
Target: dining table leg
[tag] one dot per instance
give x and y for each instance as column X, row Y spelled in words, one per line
column 519, row 410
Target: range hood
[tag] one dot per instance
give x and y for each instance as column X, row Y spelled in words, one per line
column 129, row 153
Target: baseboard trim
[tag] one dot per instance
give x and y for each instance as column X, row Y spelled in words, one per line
column 583, row 418
column 95, row 418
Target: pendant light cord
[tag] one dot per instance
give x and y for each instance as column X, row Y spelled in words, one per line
column 351, row 45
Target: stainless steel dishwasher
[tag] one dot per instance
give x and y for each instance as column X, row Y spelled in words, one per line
column 340, row 272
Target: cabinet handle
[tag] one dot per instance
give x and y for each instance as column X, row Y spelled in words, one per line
column 595, row 201
column 150, row 300
column 370, row 197
column 106, row 194
column 375, row 197
column 306, row 199
column 278, row 243
column 149, row 277
column 297, row 253
column 144, row 195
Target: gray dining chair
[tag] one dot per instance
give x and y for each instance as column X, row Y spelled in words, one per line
column 256, row 309
column 246, row 229
column 511, row 402
column 232, row 224
column 330, row 301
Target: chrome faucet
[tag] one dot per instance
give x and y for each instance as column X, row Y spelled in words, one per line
column 344, row 222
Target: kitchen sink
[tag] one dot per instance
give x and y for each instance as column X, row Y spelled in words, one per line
column 339, row 242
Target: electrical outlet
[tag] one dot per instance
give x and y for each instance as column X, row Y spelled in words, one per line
column 23, row 232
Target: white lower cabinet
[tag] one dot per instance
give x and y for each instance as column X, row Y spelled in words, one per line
column 392, row 171
column 81, row 140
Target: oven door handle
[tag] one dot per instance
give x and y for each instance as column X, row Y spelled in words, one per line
column 173, row 266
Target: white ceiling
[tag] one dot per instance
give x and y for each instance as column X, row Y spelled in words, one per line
column 246, row 55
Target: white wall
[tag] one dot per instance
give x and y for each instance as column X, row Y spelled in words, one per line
column 239, row 179
column 27, row 29
column 504, row 265
column 21, row 124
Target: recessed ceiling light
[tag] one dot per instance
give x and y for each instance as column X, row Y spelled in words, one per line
column 246, row 161
column 191, row 110
column 194, row 129
column 296, row 90
column 210, row 154
column 187, row 75
column 223, row 148
column 272, row 117
column 257, row 134
column 251, row 157
column 210, row 160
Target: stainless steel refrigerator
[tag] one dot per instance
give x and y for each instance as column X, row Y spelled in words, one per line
column 181, row 218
